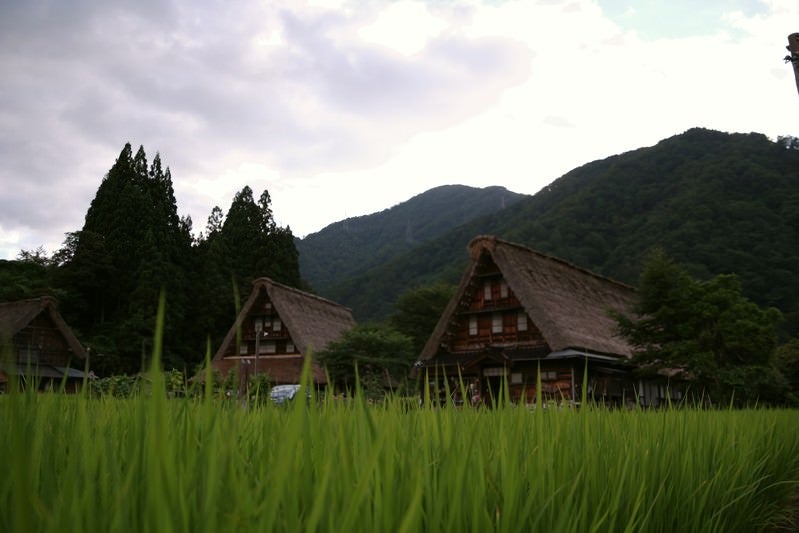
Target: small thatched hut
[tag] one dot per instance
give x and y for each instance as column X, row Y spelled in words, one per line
column 517, row 311
column 276, row 327
column 38, row 347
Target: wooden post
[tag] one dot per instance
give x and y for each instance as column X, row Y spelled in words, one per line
column 793, row 58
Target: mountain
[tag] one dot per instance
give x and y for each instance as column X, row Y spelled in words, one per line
column 715, row 202
column 349, row 248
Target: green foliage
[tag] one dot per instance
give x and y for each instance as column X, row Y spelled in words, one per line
column 786, row 360
column 718, row 203
column 417, row 312
column 722, row 342
column 133, row 247
column 353, row 246
column 23, row 279
column 379, row 355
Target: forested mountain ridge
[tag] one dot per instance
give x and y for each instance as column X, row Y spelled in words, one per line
column 716, row 202
column 350, row 247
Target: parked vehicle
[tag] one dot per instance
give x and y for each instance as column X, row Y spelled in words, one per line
column 281, row 394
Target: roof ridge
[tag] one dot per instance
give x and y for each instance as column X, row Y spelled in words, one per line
column 37, row 299
column 263, row 280
column 494, row 239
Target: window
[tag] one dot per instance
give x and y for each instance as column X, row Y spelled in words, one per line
column 487, row 291
column 243, row 349
column 290, row 347
column 549, row 375
column 516, row 378
column 472, row 325
column 267, row 347
column 521, row 322
column 496, row 323
column 276, row 324
column 503, row 289
column 258, row 323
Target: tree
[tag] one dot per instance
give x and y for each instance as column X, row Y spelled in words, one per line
column 723, row 342
column 27, row 277
column 381, row 355
column 417, row 312
column 787, row 361
column 133, row 246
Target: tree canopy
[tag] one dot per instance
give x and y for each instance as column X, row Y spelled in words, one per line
column 717, row 339
column 417, row 311
column 379, row 355
column 133, row 246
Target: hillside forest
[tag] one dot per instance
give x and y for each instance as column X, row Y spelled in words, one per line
column 716, row 203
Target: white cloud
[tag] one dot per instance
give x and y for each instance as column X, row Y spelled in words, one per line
column 348, row 108
column 404, row 26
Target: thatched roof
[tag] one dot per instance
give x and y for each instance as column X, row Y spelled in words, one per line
column 312, row 321
column 15, row 316
column 568, row 304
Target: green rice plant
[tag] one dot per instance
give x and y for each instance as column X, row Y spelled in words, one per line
column 186, row 464
column 152, row 462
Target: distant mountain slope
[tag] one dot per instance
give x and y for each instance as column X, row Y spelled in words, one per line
column 716, row 202
column 353, row 246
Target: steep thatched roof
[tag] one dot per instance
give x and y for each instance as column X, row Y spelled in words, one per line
column 568, row 304
column 15, row 316
column 311, row 321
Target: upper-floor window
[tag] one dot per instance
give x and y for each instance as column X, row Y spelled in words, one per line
column 487, row 291
column 243, row 349
column 496, row 323
column 258, row 323
column 290, row 347
column 503, row 289
column 521, row 321
column 276, row 324
column 267, row 347
column 472, row 325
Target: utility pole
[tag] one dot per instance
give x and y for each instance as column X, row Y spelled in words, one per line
column 793, row 57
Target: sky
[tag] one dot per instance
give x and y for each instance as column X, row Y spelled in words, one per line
column 342, row 108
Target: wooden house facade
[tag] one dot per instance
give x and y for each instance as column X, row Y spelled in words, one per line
column 517, row 312
column 38, row 347
column 276, row 327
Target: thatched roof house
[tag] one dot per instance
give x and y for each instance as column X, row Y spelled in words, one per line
column 36, row 343
column 276, row 327
column 517, row 310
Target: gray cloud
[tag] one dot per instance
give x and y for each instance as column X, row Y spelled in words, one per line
column 189, row 79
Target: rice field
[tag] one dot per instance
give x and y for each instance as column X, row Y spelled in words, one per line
column 149, row 463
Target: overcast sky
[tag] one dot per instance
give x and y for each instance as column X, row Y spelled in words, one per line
column 341, row 109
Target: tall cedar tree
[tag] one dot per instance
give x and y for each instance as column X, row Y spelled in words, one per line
column 134, row 246
column 236, row 249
